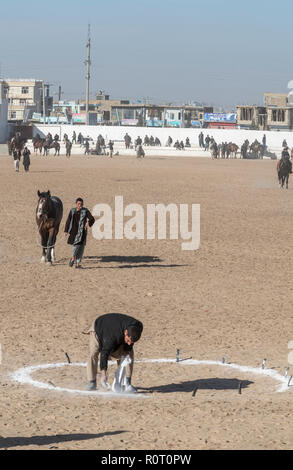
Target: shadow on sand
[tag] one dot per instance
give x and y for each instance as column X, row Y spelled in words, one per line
column 126, row 262
column 7, row 442
column 201, row 384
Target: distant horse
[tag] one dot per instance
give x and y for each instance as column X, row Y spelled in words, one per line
column 49, row 214
column 38, row 144
column 232, row 150
column 53, row 145
column 284, row 169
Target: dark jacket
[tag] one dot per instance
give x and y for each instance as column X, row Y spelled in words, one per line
column 16, row 155
column 26, row 157
column 75, row 225
column 110, row 329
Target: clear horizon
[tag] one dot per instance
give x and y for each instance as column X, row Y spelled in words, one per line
column 214, row 53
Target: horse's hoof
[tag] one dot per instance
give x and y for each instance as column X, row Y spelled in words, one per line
column 43, row 259
column 48, row 263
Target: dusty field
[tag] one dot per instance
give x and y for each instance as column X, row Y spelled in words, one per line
column 232, row 296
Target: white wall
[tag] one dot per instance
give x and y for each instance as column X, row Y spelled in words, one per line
column 274, row 138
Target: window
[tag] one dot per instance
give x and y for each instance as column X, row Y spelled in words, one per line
column 12, row 114
column 24, row 90
column 278, row 115
column 128, row 114
column 22, row 101
column 246, row 114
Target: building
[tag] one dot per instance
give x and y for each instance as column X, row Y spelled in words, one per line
column 102, row 106
column 162, row 115
column 25, row 96
column 276, row 99
column 279, row 111
column 276, row 114
column 252, row 117
column 3, row 113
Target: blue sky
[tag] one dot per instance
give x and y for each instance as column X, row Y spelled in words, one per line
column 218, row 52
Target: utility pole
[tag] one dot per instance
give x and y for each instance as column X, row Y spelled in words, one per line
column 88, row 64
column 44, row 106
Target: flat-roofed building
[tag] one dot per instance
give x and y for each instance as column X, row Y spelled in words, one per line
column 276, row 99
column 102, row 106
column 25, row 96
column 251, row 116
column 280, row 118
column 279, row 111
column 161, row 115
column 276, row 114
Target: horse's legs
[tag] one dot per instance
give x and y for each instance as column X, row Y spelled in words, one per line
column 53, row 254
column 44, row 239
column 51, row 244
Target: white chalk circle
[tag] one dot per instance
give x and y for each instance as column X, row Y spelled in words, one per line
column 24, row 376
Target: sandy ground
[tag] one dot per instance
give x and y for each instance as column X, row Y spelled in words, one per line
column 232, row 296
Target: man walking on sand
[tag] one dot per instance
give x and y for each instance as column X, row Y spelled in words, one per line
column 16, row 158
column 111, row 148
column 78, row 221
column 26, row 159
column 111, row 335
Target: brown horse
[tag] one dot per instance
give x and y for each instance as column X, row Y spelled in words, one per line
column 49, row 214
column 232, row 150
column 38, row 145
column 53, row 145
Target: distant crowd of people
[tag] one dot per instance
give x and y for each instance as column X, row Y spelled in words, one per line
column 205, row 142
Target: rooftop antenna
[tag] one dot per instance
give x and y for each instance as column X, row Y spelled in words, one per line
column 88, row 64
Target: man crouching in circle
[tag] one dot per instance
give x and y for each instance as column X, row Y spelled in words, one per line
column 112, row 336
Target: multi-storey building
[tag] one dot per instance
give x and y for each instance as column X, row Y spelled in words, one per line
column 25, row 96
column 276, row 113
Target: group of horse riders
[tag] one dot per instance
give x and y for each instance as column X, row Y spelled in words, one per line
column 226, row 150
column 46, row 143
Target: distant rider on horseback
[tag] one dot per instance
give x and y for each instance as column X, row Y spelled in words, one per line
column 285, row 158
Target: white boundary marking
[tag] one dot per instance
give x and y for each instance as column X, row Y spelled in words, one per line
column 23, row 376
